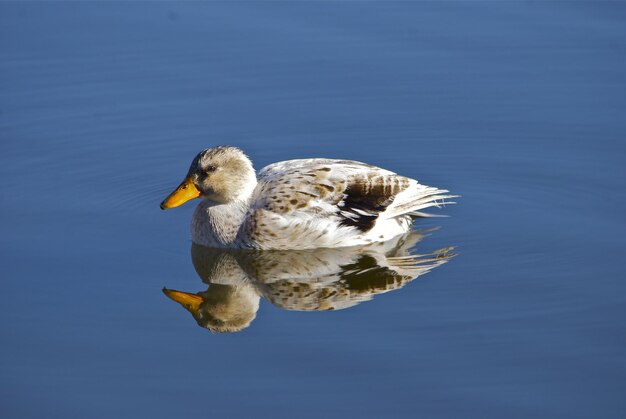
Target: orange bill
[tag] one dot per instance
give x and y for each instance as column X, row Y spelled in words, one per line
column 186, row 191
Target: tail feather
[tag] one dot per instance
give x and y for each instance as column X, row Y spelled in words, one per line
column 419, row 197
column 419, row 264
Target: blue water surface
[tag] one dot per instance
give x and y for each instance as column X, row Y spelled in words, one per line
column 518, row 106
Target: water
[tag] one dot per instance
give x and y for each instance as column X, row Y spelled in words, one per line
column 517, row 106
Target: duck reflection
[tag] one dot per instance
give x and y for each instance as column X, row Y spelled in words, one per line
column 306, row 280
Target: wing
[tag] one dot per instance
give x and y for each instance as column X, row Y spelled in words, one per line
column 353, row 192
column 329, row 203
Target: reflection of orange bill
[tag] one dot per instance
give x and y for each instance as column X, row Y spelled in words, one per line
column 190, row 301
column 186, row 191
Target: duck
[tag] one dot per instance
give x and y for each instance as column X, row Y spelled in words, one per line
column 298, row 204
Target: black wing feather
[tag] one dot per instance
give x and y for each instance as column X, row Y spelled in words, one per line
column 364, row 201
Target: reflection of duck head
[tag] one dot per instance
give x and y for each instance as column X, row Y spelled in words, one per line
column 221, row 308
column 309, row 280
column 231, row 301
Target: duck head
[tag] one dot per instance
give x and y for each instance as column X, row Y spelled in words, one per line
column 221, row 174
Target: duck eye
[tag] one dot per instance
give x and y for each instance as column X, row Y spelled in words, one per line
column 211, row 169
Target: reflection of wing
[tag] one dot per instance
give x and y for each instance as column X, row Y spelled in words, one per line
column 349, row 284
column 332, row 279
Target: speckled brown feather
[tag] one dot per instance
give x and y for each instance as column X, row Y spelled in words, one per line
column 296, row 195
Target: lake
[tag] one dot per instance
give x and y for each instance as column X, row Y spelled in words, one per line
column 517, row 106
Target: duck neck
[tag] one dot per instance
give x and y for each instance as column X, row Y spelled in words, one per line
column 217, row 225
